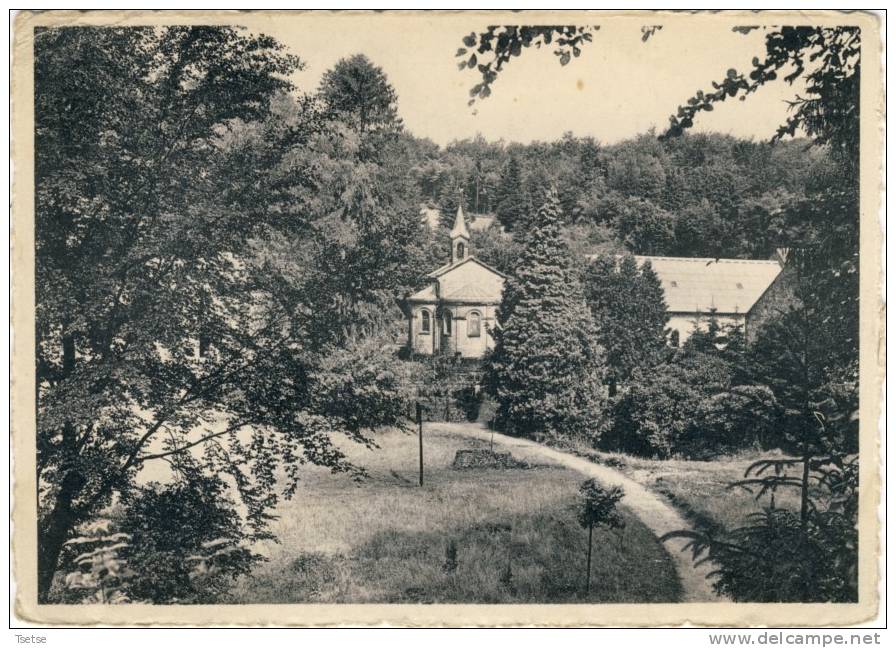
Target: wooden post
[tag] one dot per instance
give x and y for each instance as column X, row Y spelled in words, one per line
column 588, row 568
column 420, row 434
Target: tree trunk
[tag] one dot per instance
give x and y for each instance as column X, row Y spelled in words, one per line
column 588, row 568
column 54, row 531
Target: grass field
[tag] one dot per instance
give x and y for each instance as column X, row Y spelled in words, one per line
column 387, row 540
column 700, row 489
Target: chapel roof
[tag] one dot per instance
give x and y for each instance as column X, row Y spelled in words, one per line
column 427, row 294
column 470, row 259
column 471, row 293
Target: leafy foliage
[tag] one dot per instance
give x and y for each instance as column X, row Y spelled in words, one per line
column 598, row 505
column 511, row 207
column 99, row 571
column 697, row 195
column 783, row 556
column 546, row 369
column 826, row 58
column 360, row 94
column 491, row 50
column 186, row 314
column 188, row 544
column 697, row 403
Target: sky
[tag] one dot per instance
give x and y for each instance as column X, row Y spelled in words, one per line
column 619, row 87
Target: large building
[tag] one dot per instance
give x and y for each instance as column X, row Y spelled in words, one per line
column 741, row 292
column 455, row 312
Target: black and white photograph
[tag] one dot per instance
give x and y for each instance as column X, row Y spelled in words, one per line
column 380, row 311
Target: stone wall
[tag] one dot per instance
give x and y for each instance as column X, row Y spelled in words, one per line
column 449, row 390
column 778, row 298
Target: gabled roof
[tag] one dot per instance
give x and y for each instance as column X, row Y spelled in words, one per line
column 471, row 293
column 460, row 225
column 451, row 266
column 427, row 294
column 702, row 284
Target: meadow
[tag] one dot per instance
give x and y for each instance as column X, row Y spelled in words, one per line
column 474, row 535
column 701, row 490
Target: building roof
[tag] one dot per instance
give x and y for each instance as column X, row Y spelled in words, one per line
column 460, row 225
column 472, row 294
column 427, row 294
column 470, row 259
column 702, row 284
column 462, row 282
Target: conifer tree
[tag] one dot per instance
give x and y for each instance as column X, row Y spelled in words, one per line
column 546, row 371
column 511, row 200
column 629, row 311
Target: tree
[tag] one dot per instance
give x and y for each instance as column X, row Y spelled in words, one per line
column 598, row 508
column 511, row 202
column 359, row 92
column 162, row 330
column 644, row 227
column 629, row 310
column 690, row 406
column 546, row 369
column 825, row 227
column 501, row 43
column 496, row 248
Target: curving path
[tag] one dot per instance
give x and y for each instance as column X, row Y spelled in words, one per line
column 655, row 513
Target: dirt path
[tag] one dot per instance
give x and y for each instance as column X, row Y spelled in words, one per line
column 656, row 514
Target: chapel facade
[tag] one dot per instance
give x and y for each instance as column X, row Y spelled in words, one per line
column 454, row 313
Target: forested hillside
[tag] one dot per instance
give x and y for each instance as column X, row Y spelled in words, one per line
column 694, row 195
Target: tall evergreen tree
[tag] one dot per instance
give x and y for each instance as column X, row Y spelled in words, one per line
column 511, row 202
column 546, row 370
column 629, row 311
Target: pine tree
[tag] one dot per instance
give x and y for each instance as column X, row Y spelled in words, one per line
column 629, row 311
column 511, row 200
column 546, row 370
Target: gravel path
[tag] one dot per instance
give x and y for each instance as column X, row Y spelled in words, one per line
column 653, row 511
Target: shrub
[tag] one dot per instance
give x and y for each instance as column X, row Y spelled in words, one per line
column 786, row 556
column 689, row 407
column 186, row 542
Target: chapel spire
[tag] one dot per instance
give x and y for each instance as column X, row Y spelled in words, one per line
column 460, row 237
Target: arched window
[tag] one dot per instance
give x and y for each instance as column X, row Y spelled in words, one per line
column 474, row 324
column 674, row 338
column 446, row 319
column 461, row 250
column 425, row 322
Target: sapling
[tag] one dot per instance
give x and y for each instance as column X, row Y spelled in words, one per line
column 598, row 508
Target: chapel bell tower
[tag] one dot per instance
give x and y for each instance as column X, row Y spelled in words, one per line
column 460, row 237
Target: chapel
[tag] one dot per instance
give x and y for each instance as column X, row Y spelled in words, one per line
column 454, row 313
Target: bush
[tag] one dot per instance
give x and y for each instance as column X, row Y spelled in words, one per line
column 186, row 542
column 362, row 387
column 688, row 407
column 787, row 556
column 175, row 543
